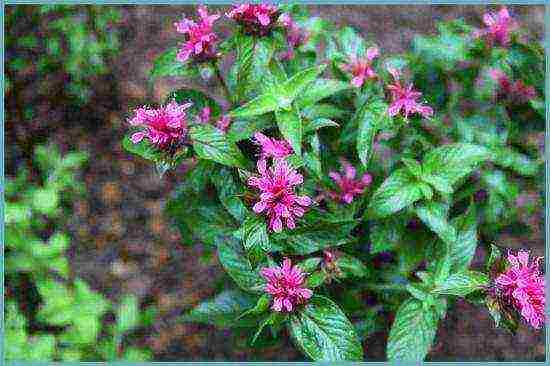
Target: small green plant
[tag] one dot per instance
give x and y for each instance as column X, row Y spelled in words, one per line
column 67, row 316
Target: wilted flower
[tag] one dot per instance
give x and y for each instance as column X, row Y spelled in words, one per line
column 277, row 199
column 516, row 91
column 165, row 127
column 286, row 285
column 361, row 69
column 256, row 18
column 272, row 148
column 405, row 98
column 200, row 41
column 349, row 187
column 522, row 286
column 295, row 36
column 499, row 26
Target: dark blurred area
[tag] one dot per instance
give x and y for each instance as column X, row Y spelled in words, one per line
column 121, row 242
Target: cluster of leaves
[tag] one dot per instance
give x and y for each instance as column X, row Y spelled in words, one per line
column 423, row 210
column 50, row 314
column 79, row 41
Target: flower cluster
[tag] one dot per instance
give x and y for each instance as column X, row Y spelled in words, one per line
column 165, row 127
column 361, row 69
column 349, row 187
column 498, row 27
column 522, row 286
column 296, row 36
column 516, row 92
column 405, row 98
column 278, row 199
column 256, row 18
column 272, row 148
column 200, row 41
column 286, row 285
column 221, row 124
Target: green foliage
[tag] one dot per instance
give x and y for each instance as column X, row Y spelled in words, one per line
column 440, row 185
column 64, row 302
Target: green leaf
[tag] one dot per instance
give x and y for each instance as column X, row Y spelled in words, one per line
column 319, row 123
column 351, row 43
column 434, row 215
column 166, row 65
column 260, row 105
column 462, row 283
column 228, row 192
column 386, row 235
column 299, row 83
column 236, row 264
column 351, row 266
column 412, row 332
column 45, row 200
column 463, row 250
column 127, row 315
column 519, row 163
column 290, row 125
column 398, row 191
column 316, row 279
column 211, row 144
column 324, row 333
column 255, row 233
column 223, row 310
column 370, row 117
column 319, row 90
column 451, row 163
column 244, row 128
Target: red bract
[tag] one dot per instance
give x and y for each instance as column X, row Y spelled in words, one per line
column 349, row 187
column 165, row 127
column 361, row 69
column 256, row 18
column 200, row 41
column 405, row 98
column 499, row 27
column 277, row 199
column 286, row 285
column 516, row 92
column 522, row 285
column 272, row 148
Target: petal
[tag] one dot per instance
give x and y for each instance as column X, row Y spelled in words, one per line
column 372, row 53
column 137, row 137
column 259, row 207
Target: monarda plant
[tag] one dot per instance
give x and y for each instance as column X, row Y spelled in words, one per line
column 339, row 185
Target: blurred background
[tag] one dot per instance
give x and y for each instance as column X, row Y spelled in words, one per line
column 73, row 73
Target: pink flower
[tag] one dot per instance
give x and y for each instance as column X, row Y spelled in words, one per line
column 349, row 186
column 272, row 148
column 200, row 39
column 256, row 18
column 499, row 26
column 204, row 115
column 515, row 91
column 277, row 199
column 522, row 286
column 286, row 285
column 295, row 37
column 405, row 98
column 362, row 69
column 165, row 127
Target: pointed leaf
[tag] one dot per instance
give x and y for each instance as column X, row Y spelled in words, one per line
column 211, row 144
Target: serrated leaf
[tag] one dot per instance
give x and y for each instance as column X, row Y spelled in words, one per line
column 211, row 144
column 319, row 123
column 434, row 215
column 166, row 65
column 463, row 250
column 319, row 90
column 412, row 332
column 519, row 163
column 398, row 191
column 290, row 126
column 351, row 266
column 233, row 259
column 369, row 119
column 462, row 283
column 324, row 333
column 255, row 233
column 223, row 310
column 453, row 162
